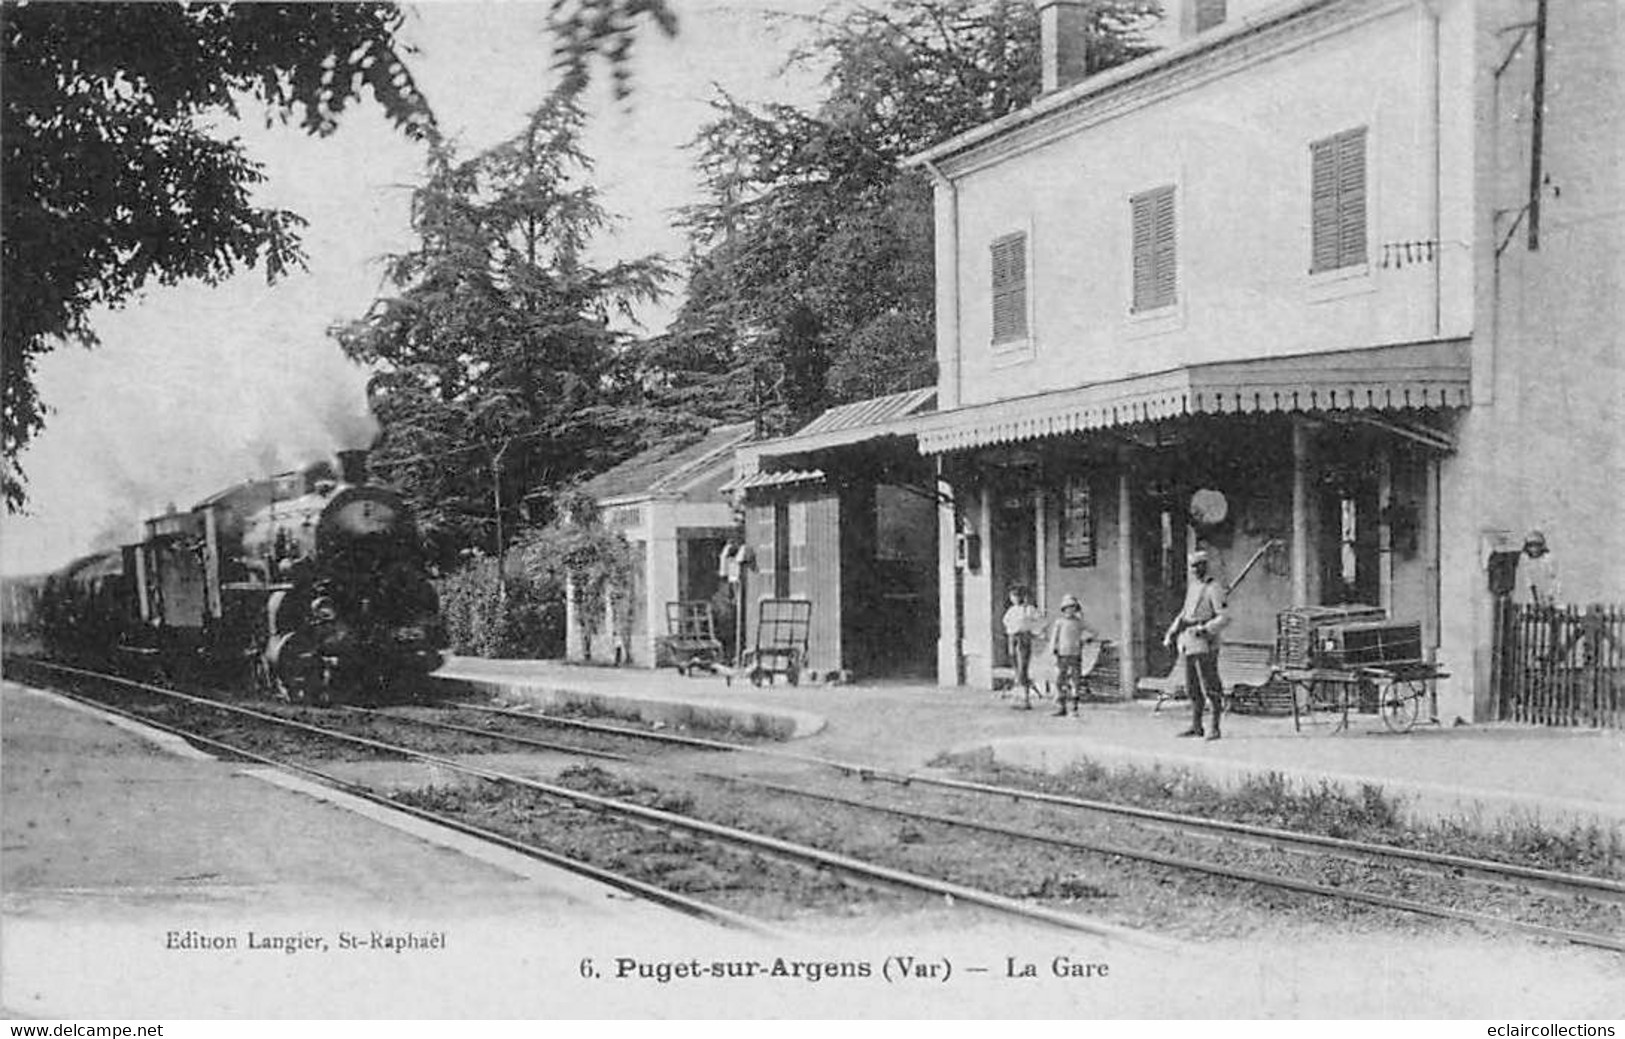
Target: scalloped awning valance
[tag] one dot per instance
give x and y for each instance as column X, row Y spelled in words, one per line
column 1405, row 377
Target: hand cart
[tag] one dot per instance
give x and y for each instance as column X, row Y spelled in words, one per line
column 691, row 637
column 1398, row 691
column 782, row 627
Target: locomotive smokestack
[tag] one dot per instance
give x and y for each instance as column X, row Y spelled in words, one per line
column 353, row 465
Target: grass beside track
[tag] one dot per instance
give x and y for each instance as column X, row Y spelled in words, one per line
column 1271, row 799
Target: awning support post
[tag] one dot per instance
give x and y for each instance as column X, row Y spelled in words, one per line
column 1300, row 512
column 1128, row 641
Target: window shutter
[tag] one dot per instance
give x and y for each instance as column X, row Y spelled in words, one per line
column 1010, row 288
column 1155, row 260
column 1351, row 198
column 1209, row 13
column 1323, row 204
column 1337, row 201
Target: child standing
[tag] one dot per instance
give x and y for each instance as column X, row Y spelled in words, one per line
column 1066, row 639
column 1022, row 622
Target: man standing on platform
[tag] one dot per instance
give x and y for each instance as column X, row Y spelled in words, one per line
column 1196, row 631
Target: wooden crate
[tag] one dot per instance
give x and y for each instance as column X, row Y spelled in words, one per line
column 1368, row 644
column 1296, row 628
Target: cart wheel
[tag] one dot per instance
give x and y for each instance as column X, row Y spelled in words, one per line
column 1401, row 704
column 756, row 676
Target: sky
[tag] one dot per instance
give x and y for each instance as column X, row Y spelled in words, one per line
column 195, row 387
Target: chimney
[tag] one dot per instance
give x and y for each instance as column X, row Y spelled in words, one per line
column 353, row 465
column 1064, row 39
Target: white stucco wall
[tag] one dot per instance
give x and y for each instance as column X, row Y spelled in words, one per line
column 1544, row 444
column 1237, row 149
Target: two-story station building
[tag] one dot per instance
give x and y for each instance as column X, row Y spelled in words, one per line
column 1333, row 281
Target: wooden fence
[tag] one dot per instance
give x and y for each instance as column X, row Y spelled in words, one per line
column 1560, row 665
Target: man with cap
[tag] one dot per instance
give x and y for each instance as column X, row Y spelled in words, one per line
column 1536, row 583
column 1196, row 633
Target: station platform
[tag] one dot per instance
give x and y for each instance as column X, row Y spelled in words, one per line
column 1485, row 773
column 143, row 878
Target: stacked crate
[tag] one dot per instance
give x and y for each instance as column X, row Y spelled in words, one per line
column 1298, row 630
column 1369, row 644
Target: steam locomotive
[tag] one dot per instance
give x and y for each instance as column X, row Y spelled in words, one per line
column 312, row 583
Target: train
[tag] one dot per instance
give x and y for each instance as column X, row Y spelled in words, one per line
column 311, row 584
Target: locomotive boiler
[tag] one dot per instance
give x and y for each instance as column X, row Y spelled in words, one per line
column 343, row 603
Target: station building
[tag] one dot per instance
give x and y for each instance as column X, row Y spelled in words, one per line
column 669, row 504
column 1332, row 287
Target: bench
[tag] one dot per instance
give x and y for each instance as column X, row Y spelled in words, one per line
column 1245, row 671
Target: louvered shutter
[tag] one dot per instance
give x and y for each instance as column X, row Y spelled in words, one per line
column 1351, row 198
column 1209, row 13
column 1337, row 201
column 1155, row 260
column 1010, row 288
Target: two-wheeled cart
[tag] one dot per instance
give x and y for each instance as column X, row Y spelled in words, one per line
column 782, row 630
column 1354, row 659
column 1401, row 692
column 691, row 638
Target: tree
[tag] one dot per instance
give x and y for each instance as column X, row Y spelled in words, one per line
column 497, row 367
column 114, row 177
column 810, row 224
column 117, row 172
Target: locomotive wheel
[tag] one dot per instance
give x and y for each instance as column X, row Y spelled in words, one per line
column 1401, row 705
column 299, row 672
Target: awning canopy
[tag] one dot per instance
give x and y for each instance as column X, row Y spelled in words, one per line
column 784, row 478
column 1432, row 374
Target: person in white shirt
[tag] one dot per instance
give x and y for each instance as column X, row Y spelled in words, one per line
column 1536, row 583
column 1022, row 622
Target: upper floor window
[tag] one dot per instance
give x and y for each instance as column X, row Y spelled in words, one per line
column 1010, row 288
column 1207, row 14
column 1155, row 277
column 1337, row 201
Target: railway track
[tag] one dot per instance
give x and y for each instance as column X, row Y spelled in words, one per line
column 1055, row 822
column 815, row 858
column 1512, row 878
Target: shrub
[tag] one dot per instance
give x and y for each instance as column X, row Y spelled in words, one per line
column 531, row 626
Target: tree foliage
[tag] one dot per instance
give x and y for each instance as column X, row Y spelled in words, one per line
column 118, row 172
column 813, row 257
column 115, row 175
column 587, row 31
column 498, row 371
column 577, row 551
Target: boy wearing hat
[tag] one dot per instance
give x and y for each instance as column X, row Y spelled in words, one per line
column 1196, row 630
column 1066, row 638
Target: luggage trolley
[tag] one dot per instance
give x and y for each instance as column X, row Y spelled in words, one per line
column 782, row 626
column 691, row 637
column 1367, row 665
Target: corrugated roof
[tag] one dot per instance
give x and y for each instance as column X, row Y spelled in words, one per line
column 668, row 467
column 871, row 412
column 783, row 478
